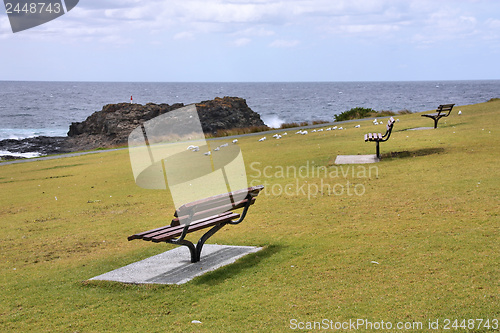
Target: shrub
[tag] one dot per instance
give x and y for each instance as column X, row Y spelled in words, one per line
column 355, row 113
column 358, row 113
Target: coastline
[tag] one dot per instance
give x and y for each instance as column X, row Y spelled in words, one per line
column 32, row 147
column 55, row 152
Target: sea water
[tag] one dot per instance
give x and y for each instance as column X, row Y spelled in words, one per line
column 29, row 109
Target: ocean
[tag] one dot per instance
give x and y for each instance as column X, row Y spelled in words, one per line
column 29, row 109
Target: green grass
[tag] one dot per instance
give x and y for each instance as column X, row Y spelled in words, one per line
column 428, row 215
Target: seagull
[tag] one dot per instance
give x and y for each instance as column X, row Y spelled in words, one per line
column 375, row 120
column 278, row 137
column 397, row 120
column 381, row 123
column 285, row 133
column 217, row 149
column 320, row 130
column 208, row 153
column 196, row 148
column 329, row 129
column 341, row 128
column 375, row 123
column 357, row 126
column 235, row 141
column 275, row 135
column 460, row 112
column 299, row 132
column 334, row 127
column 190, row 147
column 262, row 139
column 304, row 132
column 224, row 145
column 313, row 131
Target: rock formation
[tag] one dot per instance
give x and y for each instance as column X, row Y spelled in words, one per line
column 112, row 125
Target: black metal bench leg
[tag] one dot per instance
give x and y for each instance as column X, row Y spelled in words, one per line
column 436, row 122
column 378, row 149
column 191, row 247
column 204, row 238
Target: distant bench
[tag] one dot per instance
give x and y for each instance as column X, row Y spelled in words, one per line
column 443, row 110
column 378, row 137
column 214, row 212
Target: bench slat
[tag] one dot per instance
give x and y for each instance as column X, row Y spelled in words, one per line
column 197, row 225
column 141, row 234
column 147, row 235
column 213, row 201
column 212, row 211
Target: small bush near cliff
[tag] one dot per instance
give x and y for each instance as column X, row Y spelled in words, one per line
column 358, row 113
column 355, row 113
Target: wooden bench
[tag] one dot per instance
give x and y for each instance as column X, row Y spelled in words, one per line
column 214, row 212
column 443, row 110
column 378, row 137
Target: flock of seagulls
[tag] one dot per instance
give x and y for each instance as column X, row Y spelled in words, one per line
column 304, row 132
column 279, row 136
column 196, row 148
column 301, row 132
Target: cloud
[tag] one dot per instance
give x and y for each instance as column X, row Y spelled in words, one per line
column 241, row 42
column 423, row 22
column 185, row 35
column 281, row 43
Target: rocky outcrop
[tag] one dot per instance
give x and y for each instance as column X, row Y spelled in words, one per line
column 44, row 145
column 112, row 125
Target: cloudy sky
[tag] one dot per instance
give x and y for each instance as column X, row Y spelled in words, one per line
column 258, row 40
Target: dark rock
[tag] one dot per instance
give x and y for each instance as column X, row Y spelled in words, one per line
column 45, row 145
column 112, row 125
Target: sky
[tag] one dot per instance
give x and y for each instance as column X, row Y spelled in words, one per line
column 258, row 41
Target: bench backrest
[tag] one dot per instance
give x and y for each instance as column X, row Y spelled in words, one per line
column 215, row 205
column 445, row 108
column 390, row 125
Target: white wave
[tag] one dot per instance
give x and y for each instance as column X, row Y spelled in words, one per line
column 24, row 133
column 25, row 155
column 273, row 121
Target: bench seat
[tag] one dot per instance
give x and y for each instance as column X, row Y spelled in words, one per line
column 168, row 232
column 443, row 110
column 214, row 213
column 378, row 137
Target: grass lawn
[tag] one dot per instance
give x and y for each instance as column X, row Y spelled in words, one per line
column 412, row 239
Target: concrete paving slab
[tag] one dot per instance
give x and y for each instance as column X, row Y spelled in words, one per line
column 356, row 159
column 174, row 266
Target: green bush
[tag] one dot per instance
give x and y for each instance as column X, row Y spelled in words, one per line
column 355, row 113
column 358, row 113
